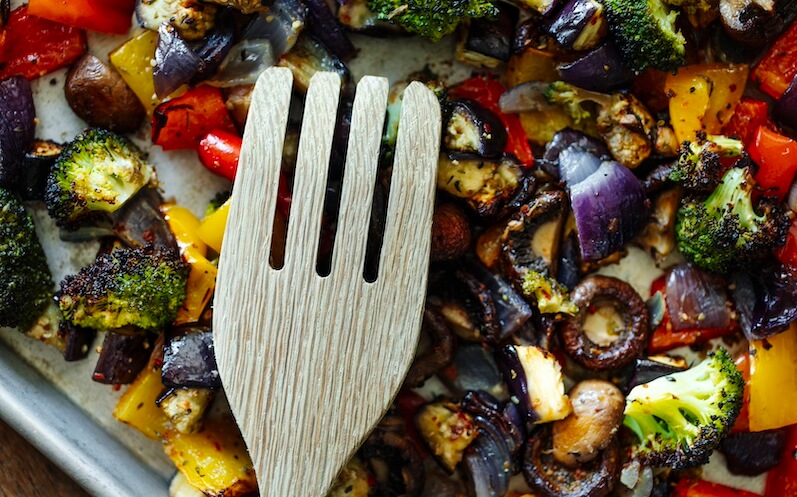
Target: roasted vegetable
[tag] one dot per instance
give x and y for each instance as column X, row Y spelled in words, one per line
column 99, row 171
column 699, row 167
column 99, row 96
column 185, row 407
column 729, row 228
column 487, row 42
column 142, row 288
column 645, row 33
column 38, row 161
column 486, row 185
column 535, row 378
column 17, row 124
column 214, row 460
column 447, row 430
column 681, row 418
column 473, row 129
column 428, row 18
column 623, row 121
column 25, row 283
column 191, row 17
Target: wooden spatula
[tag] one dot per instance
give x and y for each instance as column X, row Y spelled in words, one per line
column 309, row 363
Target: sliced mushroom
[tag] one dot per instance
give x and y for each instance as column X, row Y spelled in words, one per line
column 591, row 295
column 388, row 449
column 467, row 306
column 597, row 414
column 550, row 479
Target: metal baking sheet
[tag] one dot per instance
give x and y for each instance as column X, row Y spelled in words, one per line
column 56, row 406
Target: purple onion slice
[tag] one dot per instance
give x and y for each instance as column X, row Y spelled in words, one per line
column 786, row 110
column 175, row 62
column 610, row 208
column 766, row 301
column 696, row 299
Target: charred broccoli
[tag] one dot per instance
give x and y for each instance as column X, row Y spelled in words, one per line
column 26, row 286
column 680, row 418
column 728, row 229
column 97, row 172
column 429, row 18
column 621, row 120
column 142, row 288
column 645, row 33
column 699, row 167
column 551, row 296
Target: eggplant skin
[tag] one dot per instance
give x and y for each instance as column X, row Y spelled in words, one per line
column 474, row 129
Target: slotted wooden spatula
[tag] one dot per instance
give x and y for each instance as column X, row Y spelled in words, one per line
column 309, row 363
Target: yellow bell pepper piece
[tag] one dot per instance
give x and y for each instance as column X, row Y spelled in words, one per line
column 531, row 65
column 134, row 61
column 137, row 406
column 211, row 231
column 184, row 224
column 773, row 381
column 200, row 286
column 703, row 97
column 214, row 460
column 202, row 277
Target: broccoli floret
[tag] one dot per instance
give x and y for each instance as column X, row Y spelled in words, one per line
column 698, row 167
column 695, row 7
column 142, row 288
column 680, row 418
column 26, row 286
column 552, row 297
column 431, row 19
column 98, row 172
column 217, row 201
column 645, row 34
column 620, row 119
column 727, row 229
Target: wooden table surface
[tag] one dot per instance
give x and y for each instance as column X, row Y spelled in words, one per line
column 24, row 472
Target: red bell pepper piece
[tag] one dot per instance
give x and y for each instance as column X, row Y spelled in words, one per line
column 776, row 156
column 748, row 115
column 219, row 152
column 487, row 90
column 183, row 121
column 782, row 479
column 107, row 16
column 779, row 65
column 665, row 338
column 699, row 488
column 33, row 47
column 787, row 254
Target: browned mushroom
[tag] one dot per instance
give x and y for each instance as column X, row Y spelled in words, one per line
column 439, row 354
column 389, row 444
column 99, row 96
column 450, row 232
column 466, row 305
column 550, row 479
column 595, row 293
column 597, row 414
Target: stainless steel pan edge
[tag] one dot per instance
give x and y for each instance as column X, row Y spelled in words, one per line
column 69, row 438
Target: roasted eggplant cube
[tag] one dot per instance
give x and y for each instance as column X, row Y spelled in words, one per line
column 485, row 185
column 447, row 431
column 189, row 360
column 580, row 25
column 122, row 358
column 310, row 56
column 535, row 381
column 488, row 42
column 36, row 167
column 186, row 407
column 472, row 129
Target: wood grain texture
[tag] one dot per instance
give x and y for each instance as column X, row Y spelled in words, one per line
column 309, row 363
column 25, row 472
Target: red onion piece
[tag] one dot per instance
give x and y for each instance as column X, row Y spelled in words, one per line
column 766, row 301
column 325, row 26
column 175, row 62
column 696, row 299
column 17, row 115
column 600, row 70
column 610, row 209
column 786, row 110
column 280, row 26
column 525, row 97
